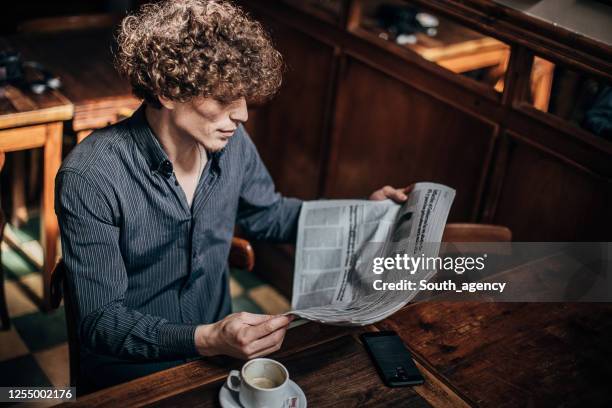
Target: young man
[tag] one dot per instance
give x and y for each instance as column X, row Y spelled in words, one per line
column 147, row 207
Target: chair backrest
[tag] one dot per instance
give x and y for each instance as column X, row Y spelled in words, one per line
column 59, row 291
column 466, row 232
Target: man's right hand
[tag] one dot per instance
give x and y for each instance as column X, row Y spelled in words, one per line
column 242, row 335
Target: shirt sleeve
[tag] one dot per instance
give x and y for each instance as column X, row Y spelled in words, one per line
column 98, row 281
column 263, row 214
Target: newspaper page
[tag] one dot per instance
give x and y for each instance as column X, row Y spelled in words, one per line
column 338, row 241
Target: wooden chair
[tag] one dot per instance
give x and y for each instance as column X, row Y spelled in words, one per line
column 4, row 316
column 466, row 232
column 241, row 256
column 470, row 238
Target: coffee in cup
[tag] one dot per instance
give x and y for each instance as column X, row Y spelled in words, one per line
column 262, row 383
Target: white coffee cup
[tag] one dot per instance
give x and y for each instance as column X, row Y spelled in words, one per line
column 262, row 383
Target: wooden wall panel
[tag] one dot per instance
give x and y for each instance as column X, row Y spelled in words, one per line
column 394, row 118
column 387, row 132
column 289, row 131
column 290, row 134
column 546, row 198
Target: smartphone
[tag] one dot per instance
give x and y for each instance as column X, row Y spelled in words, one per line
column 392, row 359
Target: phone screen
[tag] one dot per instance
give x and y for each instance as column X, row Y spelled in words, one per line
column 392, row 359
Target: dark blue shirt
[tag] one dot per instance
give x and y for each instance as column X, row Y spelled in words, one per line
column 143, row 267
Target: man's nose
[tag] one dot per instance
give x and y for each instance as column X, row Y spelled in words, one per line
column 238, row 111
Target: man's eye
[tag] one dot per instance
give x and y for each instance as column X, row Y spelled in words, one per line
column 228, row 103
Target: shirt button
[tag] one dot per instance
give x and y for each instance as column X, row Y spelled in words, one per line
column 166, row 168
column 166, row 165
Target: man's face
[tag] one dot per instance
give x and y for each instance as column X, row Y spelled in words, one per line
column 208, row 121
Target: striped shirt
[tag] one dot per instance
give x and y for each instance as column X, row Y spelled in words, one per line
column 144, row 267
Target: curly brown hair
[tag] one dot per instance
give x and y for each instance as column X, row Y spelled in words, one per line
column 183, row 49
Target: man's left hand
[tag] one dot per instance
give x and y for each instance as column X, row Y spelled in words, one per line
column 399, row 195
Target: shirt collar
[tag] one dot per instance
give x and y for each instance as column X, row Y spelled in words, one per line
column 154, row 154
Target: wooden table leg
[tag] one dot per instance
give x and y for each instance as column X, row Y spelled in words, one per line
column 4, row 316
column 50, row 229
column 20, row 210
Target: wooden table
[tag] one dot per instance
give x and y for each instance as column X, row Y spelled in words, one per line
column 83, row 60
column 329, row 363
column 514, row 354
column 470, row 353
column 28, row 121
column 92, row 96
column 517, row 354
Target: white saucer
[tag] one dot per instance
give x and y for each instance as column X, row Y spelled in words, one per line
column 229, row 399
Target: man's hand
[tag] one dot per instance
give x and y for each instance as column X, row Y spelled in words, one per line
column 399, row 195
column 242, row 335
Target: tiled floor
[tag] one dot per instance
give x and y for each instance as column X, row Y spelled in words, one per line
column 34, row 351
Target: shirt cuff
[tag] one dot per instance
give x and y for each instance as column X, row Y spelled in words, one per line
column 294, row 207
column 178, row 338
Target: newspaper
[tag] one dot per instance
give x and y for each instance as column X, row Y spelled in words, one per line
column 338, row 241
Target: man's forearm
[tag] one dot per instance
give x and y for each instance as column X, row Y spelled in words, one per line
column 129, row 334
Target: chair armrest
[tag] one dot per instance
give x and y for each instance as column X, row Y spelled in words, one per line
column 241, row 254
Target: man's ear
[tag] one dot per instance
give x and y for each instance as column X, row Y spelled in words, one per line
column 166, row 103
